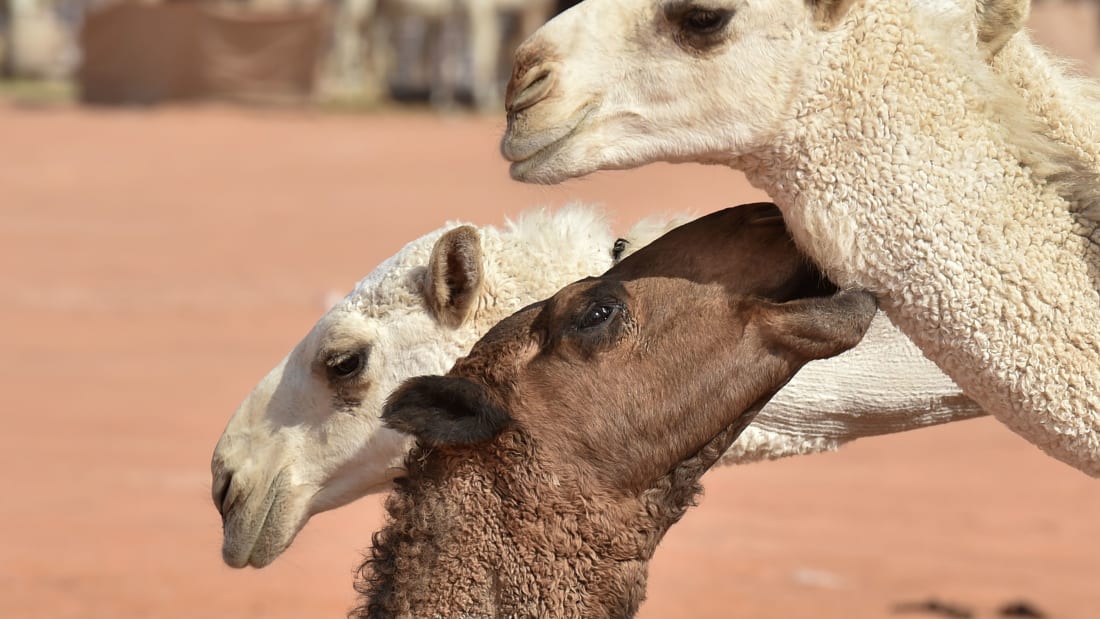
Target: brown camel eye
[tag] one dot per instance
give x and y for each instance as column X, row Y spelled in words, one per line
column 597, row 315
column 343, row 367
column 705, row 21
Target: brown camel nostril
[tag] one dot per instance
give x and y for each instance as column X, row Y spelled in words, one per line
column 531, row 88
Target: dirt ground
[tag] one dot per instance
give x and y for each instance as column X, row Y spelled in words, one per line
column 156, row 263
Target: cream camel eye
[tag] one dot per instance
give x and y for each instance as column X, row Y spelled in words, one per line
column 347, row 366
column 705, row 21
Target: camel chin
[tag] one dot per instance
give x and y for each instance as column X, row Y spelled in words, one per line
column 549, row 168
column 263, row 528
column 544, row 154
column 545, row 150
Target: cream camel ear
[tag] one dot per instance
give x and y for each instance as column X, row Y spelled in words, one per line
column 454, row 275
column 828, row 12
column 997, row 21
column 818, row 327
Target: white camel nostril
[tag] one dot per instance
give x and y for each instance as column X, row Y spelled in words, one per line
column 532, row 88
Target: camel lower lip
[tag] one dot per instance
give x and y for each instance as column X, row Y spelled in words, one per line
column 519, row 169
column 546, row 149
column 253, row 560
column 245, row 555
column 521, row 166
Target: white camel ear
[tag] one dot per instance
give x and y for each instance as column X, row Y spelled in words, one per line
column 454, row 275
column 998, row 21
column 818, row 327
column 828, row 12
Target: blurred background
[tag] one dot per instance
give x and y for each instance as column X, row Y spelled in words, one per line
column 357, row 53
column 351, row 53
column 184, row 186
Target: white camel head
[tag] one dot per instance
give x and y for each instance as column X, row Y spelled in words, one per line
column 308, row 438
column 615, row 84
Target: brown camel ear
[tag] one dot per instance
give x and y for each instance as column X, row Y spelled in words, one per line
column 828, row 12
column 818, row 327
column 454, row 275
column 444, row 410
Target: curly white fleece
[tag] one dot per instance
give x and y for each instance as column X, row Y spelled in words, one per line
column 911, row 169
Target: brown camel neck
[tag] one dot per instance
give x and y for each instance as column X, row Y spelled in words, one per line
column 503, row 532
column 500, row 533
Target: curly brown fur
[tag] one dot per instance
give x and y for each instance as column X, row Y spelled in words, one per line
column 502, row 532
column 539, row 544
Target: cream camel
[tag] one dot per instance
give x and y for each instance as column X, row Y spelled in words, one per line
column 308, row 437
column 903, row 164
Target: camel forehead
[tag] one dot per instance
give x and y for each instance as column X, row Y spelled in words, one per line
column 495, row 356
column 499, row 357
column 524, row 320
column 396, row 285
column 535, row 329
column 576, row 296
column 344, row 327
column 639, row 294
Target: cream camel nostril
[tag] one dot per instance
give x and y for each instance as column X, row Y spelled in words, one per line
column 222, row 483
column 529, row 89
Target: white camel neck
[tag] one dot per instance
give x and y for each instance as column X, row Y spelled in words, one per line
column 906, row 170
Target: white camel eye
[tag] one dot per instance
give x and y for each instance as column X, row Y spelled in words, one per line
column 704, row 21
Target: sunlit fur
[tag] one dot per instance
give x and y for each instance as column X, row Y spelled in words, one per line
column 294, row 448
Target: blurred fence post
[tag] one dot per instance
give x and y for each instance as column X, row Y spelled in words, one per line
column 38, row 45
column 5, row 39
column 354, row 65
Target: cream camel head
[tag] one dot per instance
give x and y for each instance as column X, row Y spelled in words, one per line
column 309, row 439
column 616, row 84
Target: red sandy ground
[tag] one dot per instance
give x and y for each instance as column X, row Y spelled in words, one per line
column 156, row 263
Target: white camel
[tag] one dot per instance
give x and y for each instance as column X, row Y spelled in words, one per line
column 902, row 162
column 309, row 438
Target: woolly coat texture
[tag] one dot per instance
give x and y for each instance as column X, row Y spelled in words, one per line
column 1067, row 105
column 912, row 170
column 501, row 531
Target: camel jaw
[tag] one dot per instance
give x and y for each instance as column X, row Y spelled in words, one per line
column 257, row 530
